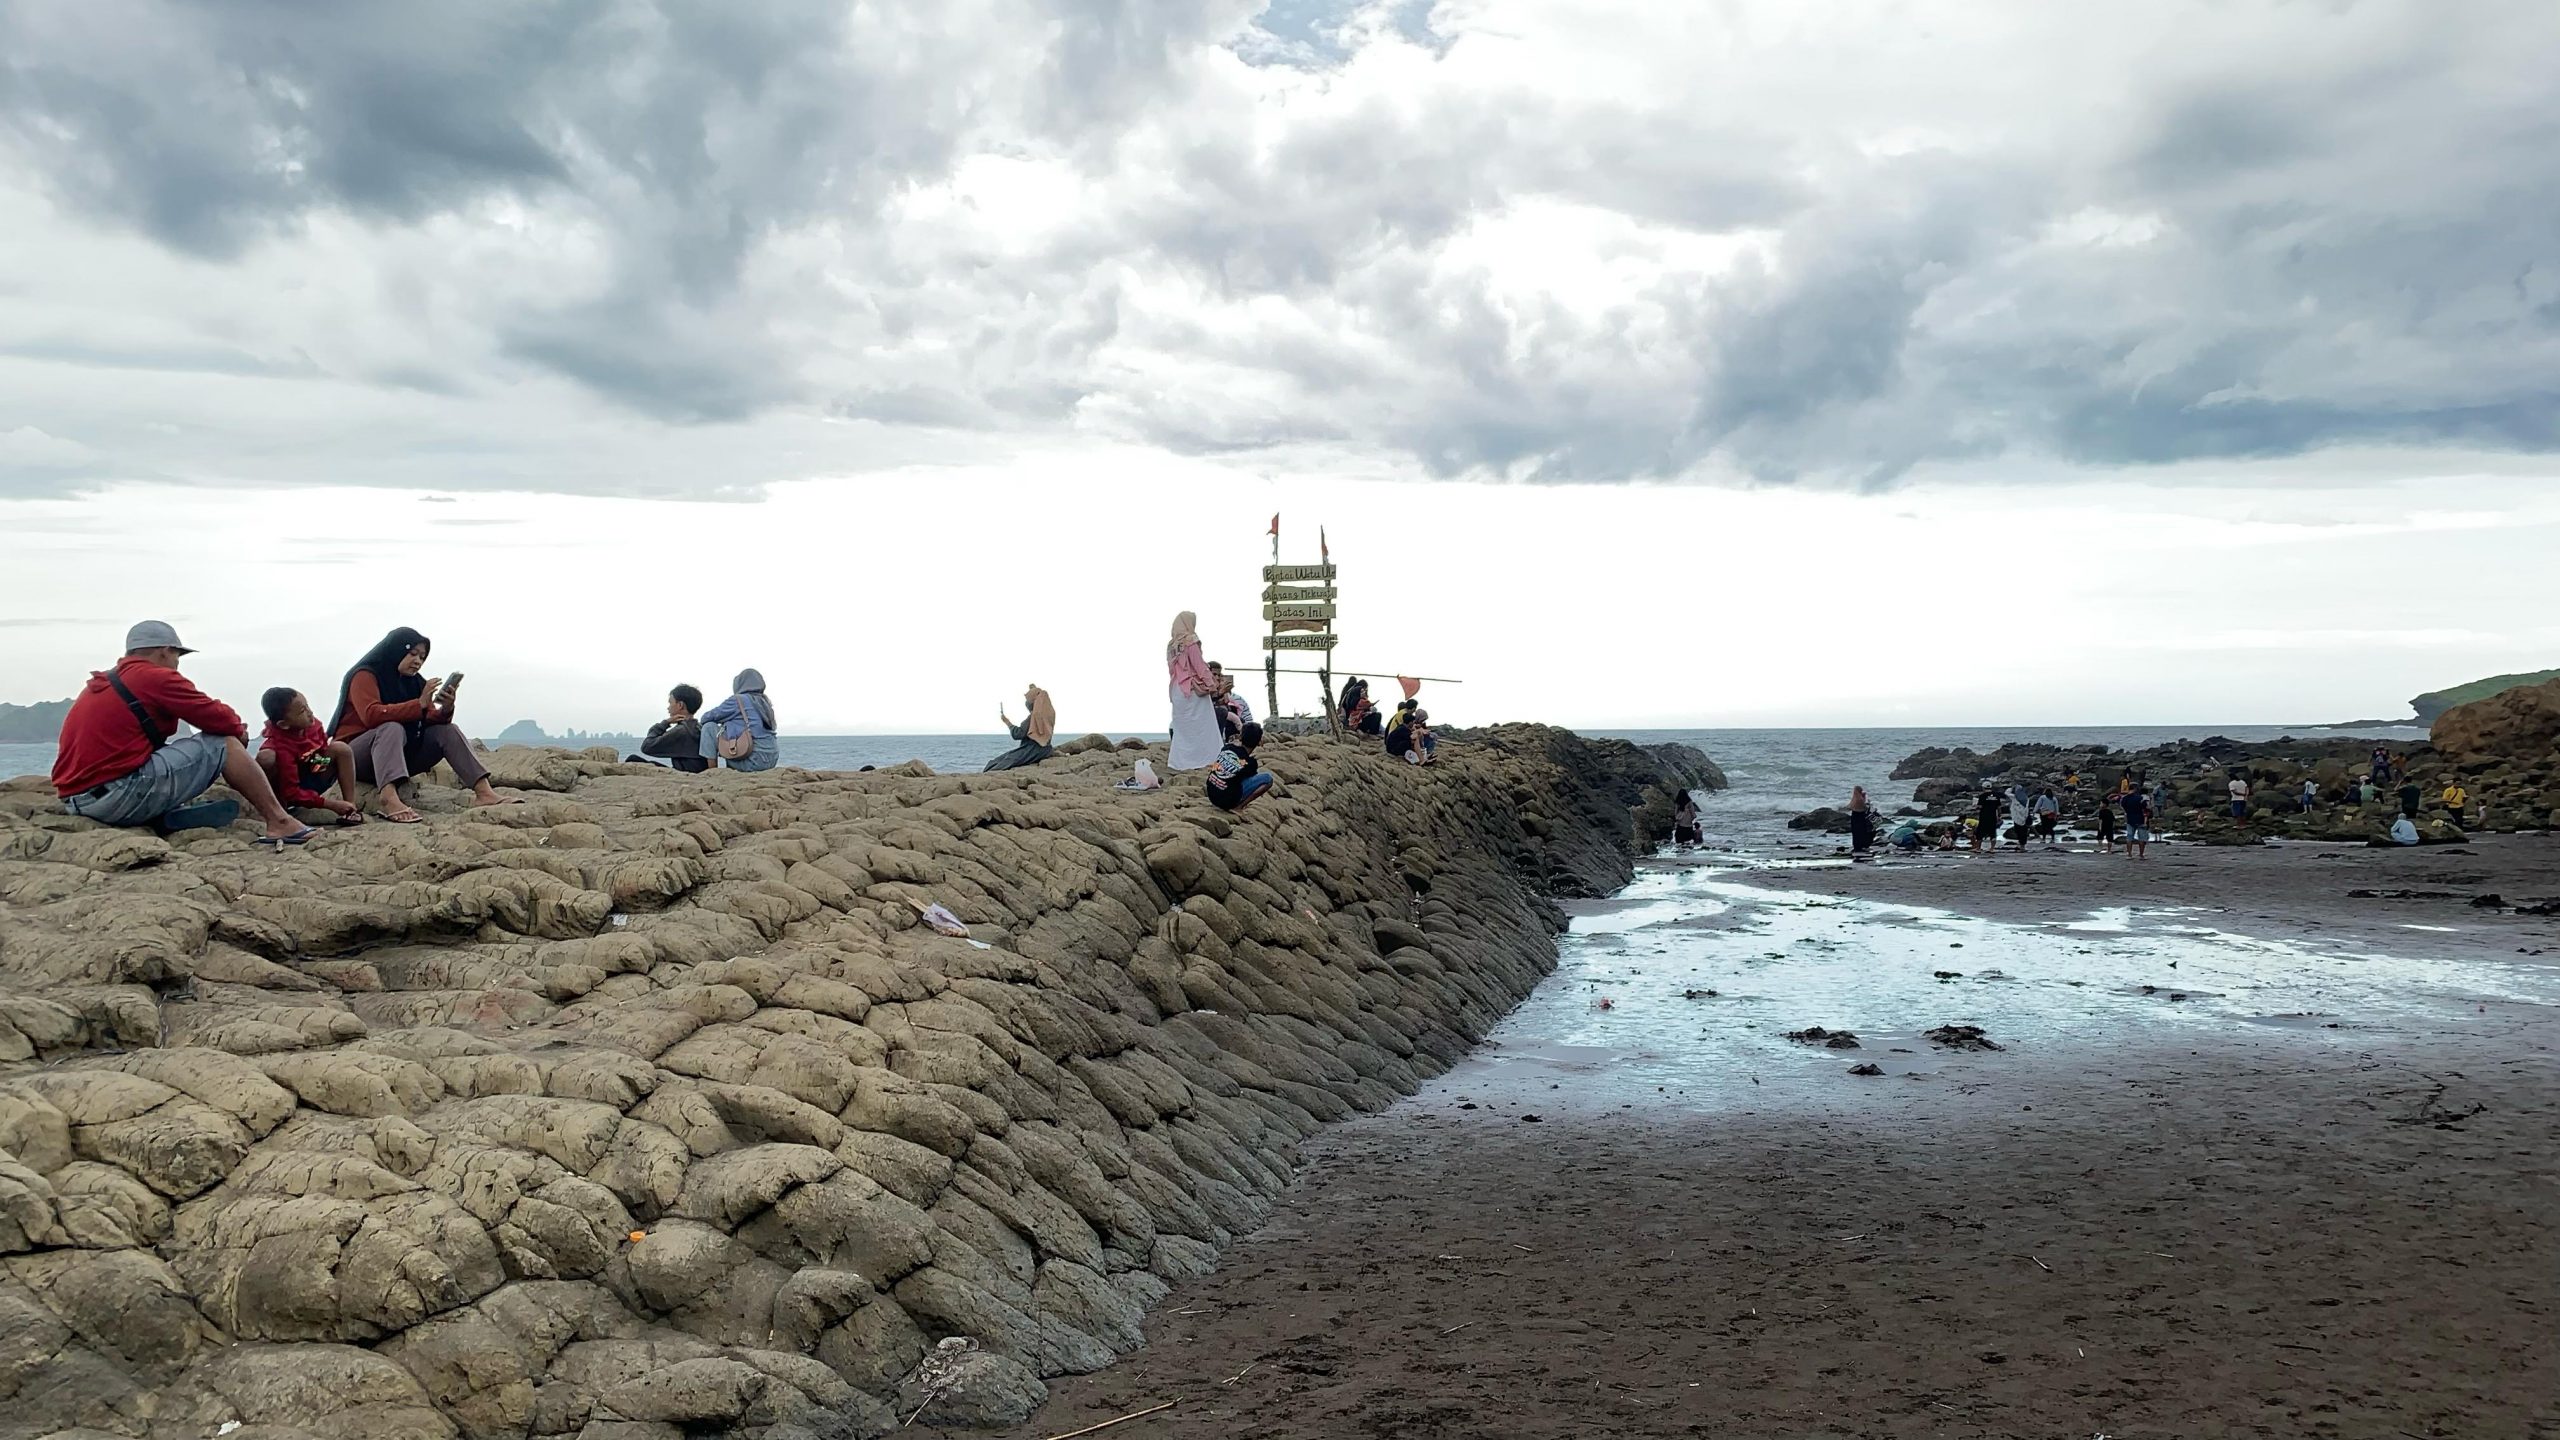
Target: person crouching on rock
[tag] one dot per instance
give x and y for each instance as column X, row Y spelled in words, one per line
column 401, row 725
column 301, row 760
column 1034, row 737
column 1411, row 740
column 1235, row 777
column 740, row 731
column 120, row 760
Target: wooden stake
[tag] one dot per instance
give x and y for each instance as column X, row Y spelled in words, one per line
column 1107, row 1424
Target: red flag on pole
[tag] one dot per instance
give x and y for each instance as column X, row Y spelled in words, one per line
column 1275, row 527
column 1324, row 552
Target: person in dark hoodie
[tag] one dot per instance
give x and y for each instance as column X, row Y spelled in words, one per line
column 1235, row 777
column 676, row 740
column 401, row 724
column 744, row 724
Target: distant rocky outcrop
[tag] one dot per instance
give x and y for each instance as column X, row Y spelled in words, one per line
column 2518, row 726
column 2435, row 703
column 527, row 732
column 2500, row 750
column 651, row 1108
column 37, row 724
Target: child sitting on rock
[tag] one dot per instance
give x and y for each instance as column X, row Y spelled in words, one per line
column 1235, row 777
column 301, row 760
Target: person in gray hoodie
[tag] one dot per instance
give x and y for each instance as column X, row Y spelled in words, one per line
column 746, row 712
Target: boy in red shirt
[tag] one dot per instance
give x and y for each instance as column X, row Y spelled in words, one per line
column 301, row 759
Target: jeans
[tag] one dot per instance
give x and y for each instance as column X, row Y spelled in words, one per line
column 175, row 774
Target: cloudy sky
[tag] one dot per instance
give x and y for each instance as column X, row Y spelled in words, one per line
column 1740, row 361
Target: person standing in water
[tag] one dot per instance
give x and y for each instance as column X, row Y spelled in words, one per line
column 2137, row 823
column 1986, row 822
column 1862, row 822
column 1193, row 693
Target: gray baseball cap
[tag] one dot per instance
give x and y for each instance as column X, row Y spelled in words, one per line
column 152, row 635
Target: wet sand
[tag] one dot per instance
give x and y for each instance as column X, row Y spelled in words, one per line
column 2294, row 890
column 2321, row 1197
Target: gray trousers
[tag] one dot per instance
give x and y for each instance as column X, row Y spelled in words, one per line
column 386, row 754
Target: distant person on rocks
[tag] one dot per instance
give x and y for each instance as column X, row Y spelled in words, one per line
column 677, row 740
column 1034, row 737
column 740, row 732
column 1235, row 777
column 2137, row 823
column 2107, row 826
column 1986, row 821
column 2239, row 788
column 399, row 725
column 2455, row 798
column 121, row 761
column 1411, row 740
column 1231, row 699
column 2048, row 816
column 2310, row 796
column 1359, row 713
column 1684, row 821
column 2411, row 797
column 302, row 762
column 2021, row 815
column 1862, row 822
column 2366, row 794
column 1193, row 690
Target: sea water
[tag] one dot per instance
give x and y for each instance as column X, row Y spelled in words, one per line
column 1775, row 773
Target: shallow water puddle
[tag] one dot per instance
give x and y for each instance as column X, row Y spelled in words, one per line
column 1683, row 989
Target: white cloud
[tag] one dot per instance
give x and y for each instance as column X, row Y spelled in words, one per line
column 1586, row 240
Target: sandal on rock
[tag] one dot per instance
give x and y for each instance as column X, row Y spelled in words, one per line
column 404, row 817
column 277, row 842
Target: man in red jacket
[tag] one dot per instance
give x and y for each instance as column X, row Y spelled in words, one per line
column 118, row 764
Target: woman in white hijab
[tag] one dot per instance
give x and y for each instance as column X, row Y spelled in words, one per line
column 1190, row 686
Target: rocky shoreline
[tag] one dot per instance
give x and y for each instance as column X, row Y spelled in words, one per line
column 2503, row 751
column 649, row 1108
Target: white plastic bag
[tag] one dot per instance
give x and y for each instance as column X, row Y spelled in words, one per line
column 1145, row 779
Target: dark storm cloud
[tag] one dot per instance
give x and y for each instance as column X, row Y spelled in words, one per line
column 2294, row 228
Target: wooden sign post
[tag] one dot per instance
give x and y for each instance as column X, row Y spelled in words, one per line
column 1298, row 604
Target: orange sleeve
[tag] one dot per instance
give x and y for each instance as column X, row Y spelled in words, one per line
column 366, row 710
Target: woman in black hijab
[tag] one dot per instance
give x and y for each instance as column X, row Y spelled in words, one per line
column 401, row 724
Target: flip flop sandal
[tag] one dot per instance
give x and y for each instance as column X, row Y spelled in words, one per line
column 278, row 842
column 352, row 817
column 404, row 817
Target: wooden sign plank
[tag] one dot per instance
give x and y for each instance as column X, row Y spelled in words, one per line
column 1299, row 642
column 1297, row 572
column 1297, row 612
column 1300, row 592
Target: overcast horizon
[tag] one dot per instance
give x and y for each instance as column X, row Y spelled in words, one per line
column 1753, row 363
